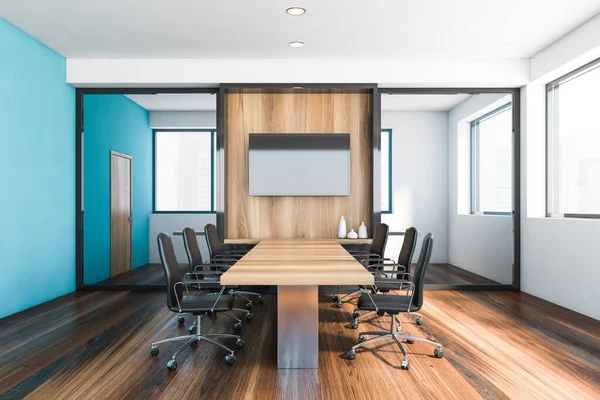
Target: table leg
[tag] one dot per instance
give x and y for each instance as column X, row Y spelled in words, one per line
column 298, row 326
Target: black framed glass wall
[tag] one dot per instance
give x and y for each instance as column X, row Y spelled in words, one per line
column 454, row 173
column 573, row 142
column 146, row 165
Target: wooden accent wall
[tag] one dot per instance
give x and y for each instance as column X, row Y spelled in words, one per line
column 296, row 111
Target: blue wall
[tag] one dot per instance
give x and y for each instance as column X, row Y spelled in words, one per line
column 37, row 173
column 113, row 122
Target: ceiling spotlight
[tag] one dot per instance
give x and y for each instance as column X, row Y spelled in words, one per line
column 295, row 11
column 296, row 43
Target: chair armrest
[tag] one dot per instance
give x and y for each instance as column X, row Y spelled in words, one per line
column 386, row 269
column 383, row 267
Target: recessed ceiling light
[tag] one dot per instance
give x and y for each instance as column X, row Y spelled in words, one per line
column 296, row 43
column 295, row 11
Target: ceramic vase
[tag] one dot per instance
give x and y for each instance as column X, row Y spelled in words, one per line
column 342, row 229
column 352, row 234
column 362, row 231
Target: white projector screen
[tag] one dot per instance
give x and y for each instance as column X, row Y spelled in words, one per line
column 291, row 164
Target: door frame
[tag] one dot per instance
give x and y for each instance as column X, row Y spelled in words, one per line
column 130, row 158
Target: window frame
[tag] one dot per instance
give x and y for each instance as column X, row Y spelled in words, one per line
column 551, row 147
column 388, row 131
column 213, row 132
column 474, row 161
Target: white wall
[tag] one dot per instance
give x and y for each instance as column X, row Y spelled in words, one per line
column 182, row 119
column 560, row 258
column 419, row 178
column 171, row 223
column 478, row 243
column 210, row 72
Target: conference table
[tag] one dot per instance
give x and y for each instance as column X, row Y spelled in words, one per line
column 297, row 267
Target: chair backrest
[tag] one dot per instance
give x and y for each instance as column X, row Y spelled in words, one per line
column 171, row 269
column 212, row 240
column 379, row 239
column 192, row 250
column 408, row 248
column 419, row 275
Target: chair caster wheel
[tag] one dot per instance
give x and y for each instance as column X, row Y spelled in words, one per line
column 399, row 328
column 230, row 359
column 238, row 326
column 194, row 343
column 404, row 365
column 334, row 298
column 338, row 304
column 261, row 300
column 249, row 306
column 410, row 341
column 439, row 353
column 192, row 329
column 361, row 339
column 419, row 321
column 210, row 314
column 354, row 324
column 172, row 365
column 154, row 351
column 355, row 314
column 351, row 355
column 180, row 320
column 240, row 343
column 249, row 317
column 380, row 313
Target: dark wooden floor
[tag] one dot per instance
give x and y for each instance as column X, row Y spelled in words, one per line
column 152, row 274
column 498, row 345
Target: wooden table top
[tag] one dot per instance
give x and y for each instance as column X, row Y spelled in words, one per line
column 297, row 262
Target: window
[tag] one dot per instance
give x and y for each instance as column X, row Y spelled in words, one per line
column 491, row 162
column 574, row 144
column 386, row 171
column 184, row 171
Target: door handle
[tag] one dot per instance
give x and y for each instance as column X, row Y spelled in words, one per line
column 130, row 219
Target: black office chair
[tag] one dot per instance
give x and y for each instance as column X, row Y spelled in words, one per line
column 218, row 251
column 375, row 255
column 403, row 264
column 219, row 254
column 395, row 304
column 209, row 281
column 199, row 306
column 196, row 263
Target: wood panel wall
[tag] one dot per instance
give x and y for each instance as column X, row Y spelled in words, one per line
column 296, row 111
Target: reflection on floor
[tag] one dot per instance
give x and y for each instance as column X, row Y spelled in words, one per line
column 152, row 274
column 452, row 275
column 498, row 345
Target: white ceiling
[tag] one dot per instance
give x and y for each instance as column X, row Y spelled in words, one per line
column 459, row 29
column 421, row 102
column 176, row 102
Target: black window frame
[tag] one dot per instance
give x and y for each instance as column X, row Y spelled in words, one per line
column 551, row 106
column 388, row 131
column 213, row 137
column 474, row 161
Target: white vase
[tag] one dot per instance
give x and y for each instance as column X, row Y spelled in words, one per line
column 342, row 229
column 362, row 231
column 352, row 234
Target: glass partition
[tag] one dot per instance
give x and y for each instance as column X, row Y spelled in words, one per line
column 451, row 173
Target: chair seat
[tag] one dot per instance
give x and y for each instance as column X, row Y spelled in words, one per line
column 386, row 287
column 390, row 304
column 204, row 303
